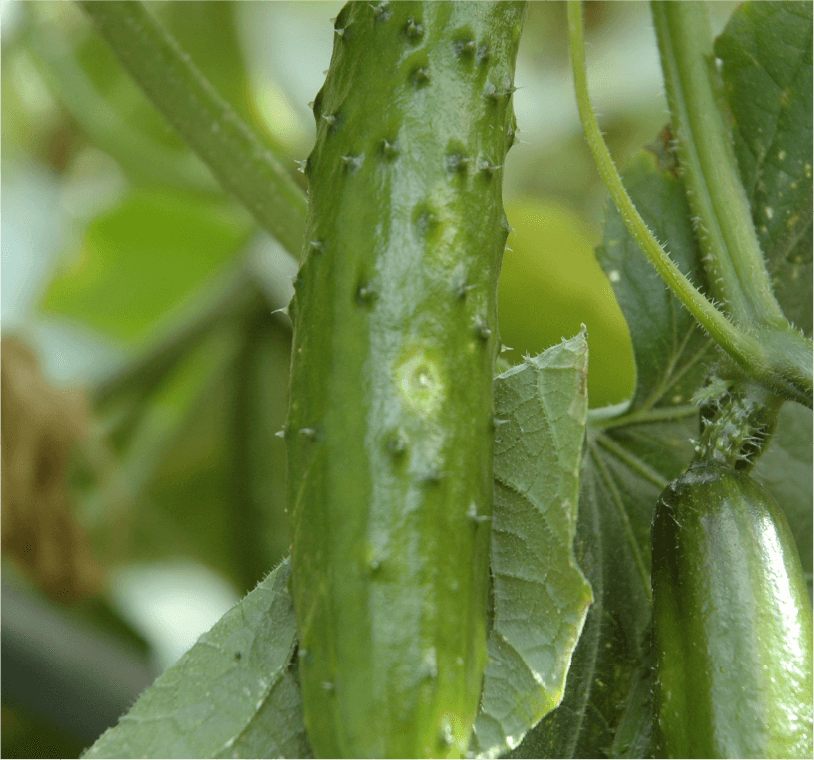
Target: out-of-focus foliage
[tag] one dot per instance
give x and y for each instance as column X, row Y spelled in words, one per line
column 549, row 284
column 156, row 302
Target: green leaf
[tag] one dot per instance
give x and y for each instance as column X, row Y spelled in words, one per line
column 767, row 73
column 234, row 694
column 142, row 258
column 668, row 346
column 632, row 452
column 540, row 601
column 540, row 596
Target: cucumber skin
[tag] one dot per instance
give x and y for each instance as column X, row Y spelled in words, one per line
column 732, row 622
column 390, row 433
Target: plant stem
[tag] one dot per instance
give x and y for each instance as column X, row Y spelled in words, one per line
column 713, row 320
column 646, row 416
column 204, row 120
column 779, row 358
column 143, row 160
column 735, row 262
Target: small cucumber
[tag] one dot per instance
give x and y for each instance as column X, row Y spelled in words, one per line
column 389, row 433
column 732, row 622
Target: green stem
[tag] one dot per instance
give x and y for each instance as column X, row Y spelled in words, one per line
column 724, row 332
column 143, row 160
column 735, row 262
column 783, row 363
column 204, row 120
column 646, row 416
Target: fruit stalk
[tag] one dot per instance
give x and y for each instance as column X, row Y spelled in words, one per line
column 389, row 434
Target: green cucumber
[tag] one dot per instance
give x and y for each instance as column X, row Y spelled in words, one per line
column 389, row 433
column 732, row 622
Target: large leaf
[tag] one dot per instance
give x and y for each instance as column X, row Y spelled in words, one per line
column 143, row 257
column 767, row 72
column 540, row 596
column 540, row 602
column 629, row 459
column 234, row 694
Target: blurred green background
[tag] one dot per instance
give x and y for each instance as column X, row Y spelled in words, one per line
column 144, row 371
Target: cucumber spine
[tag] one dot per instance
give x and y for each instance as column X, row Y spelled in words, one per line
column 389, row 434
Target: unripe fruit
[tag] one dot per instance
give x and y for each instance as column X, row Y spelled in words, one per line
column 732, row 622
column 389, row 434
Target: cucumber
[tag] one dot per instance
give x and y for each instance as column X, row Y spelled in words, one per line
column 732, row 622
column 390, row 432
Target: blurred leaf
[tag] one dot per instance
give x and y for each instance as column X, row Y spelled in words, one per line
column 550, row 284
column 24, row 735
column 767, row 72
column 234, row 694
column 165, row 491
column 540, row 596
column 142, row 258
column 169, row 410
column 260, row 529
column 202, row 472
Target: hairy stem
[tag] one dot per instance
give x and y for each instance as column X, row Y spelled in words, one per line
column 778, row 358
column 204, row 120
column 734, row 261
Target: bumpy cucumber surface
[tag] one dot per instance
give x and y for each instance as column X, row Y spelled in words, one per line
column 389, row 433
column 732, row 622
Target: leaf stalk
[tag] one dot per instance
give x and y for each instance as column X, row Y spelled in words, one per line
column 788, row 372
column 211, row 127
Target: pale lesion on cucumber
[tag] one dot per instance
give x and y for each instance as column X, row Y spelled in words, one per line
column 419, row 381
